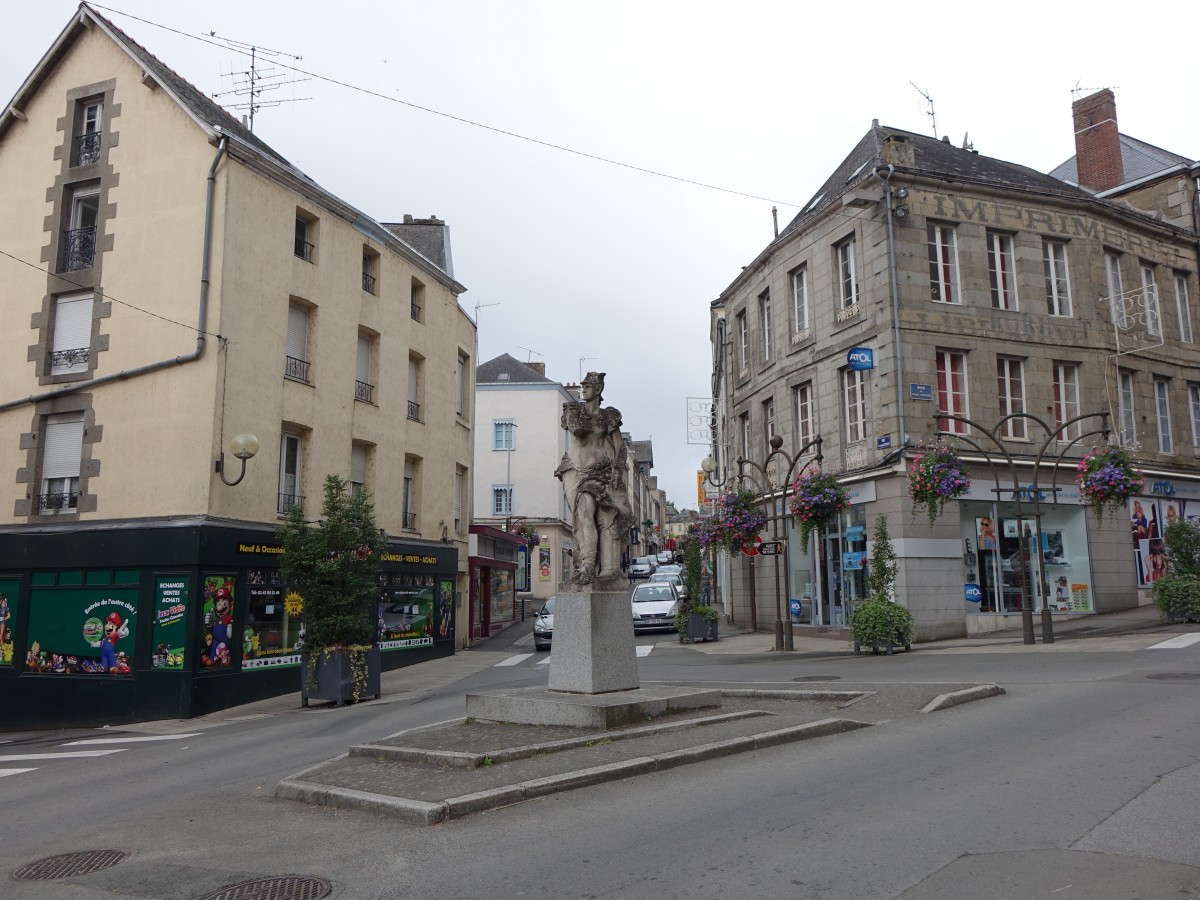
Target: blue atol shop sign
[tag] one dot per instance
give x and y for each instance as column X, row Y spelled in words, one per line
column 974, row 593
column 861, row 358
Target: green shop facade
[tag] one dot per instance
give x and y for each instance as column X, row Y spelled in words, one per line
column 126, row 622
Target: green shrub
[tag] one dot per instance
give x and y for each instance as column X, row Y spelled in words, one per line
column 1183, row 547
column 874, row 621
column 1178, row 596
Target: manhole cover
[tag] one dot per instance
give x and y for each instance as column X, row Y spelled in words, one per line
column 1176, row 676
column 283, row 887
column 818, row 678
column 69, row 865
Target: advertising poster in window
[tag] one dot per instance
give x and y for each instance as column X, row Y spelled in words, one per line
column 216, row 635
column 445, row 612
column 406, row 611
column 1149, row 518
column 82, row 630
column 543, row 563
column 274, row 632
column 503, row 594
column 8, row 619
column 170, row 623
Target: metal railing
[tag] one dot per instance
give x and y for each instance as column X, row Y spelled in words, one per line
column 57, row 502
column 368, row 282
column 296, row 369
column 414, row 410
column 304, row 249
column 363, row 391
column 416, row 312
column 68, row 358
column 87, row 149
column 79, row 249
column 287, row 501
column 410, row 521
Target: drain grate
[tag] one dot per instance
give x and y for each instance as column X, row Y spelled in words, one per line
column 818, row 678
column 282, row 887
column 1176, row 676
column 69, row 865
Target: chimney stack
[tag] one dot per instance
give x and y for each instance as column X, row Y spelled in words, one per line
column 1097, row 141
column 539, row 367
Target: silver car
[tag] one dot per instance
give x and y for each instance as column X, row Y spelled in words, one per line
column 654, row 606
column 669, row 578
column 642, row 567
column 543, row 625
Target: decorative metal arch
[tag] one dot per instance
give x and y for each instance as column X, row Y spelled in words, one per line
column 1033, row 489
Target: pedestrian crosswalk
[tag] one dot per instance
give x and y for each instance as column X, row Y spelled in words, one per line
column 51, row 756
column 642, row 651
column 1176, row 643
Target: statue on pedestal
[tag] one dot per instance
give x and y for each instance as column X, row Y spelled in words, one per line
column 593, row 475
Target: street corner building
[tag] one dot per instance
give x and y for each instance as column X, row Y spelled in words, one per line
column 927, row 293
column 171, row 284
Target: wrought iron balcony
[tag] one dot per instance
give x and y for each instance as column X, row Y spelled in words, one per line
column 296, row 369
column 414, row 410
column 410, row 521
column 287, row 501
column 368, row 282
column 416, row 312
column 363, row 391
column 79, row 249
column 68, row 358
column 55, row 503
column 87, row 148
column 304, row 249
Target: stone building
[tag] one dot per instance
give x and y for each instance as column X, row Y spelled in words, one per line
column 173, row 282
column 926, row 279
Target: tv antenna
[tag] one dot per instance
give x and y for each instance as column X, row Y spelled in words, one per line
column 249, row 84
column 582, row 360
column 530, row 352
column 479, row 306
column 928, row 100
column 1077, row 91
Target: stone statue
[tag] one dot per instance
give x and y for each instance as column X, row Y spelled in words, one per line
column 593, row 476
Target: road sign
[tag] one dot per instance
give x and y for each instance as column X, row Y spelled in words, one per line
column 770, row 548
column 750, row 548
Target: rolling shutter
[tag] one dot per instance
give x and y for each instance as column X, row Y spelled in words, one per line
column 362, row 370
column 62, row 446
column 358, row 464
column 297, row 333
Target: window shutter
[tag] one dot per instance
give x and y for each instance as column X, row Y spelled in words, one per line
column 62, row 445
column 363, row 369
column 458, row 489
column 297, row 333
column 72, row 323
column 412, row 380
column 358, row 464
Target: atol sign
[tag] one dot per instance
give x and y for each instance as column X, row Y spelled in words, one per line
column 861, row 358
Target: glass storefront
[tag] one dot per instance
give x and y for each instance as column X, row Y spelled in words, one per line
column 841, row 570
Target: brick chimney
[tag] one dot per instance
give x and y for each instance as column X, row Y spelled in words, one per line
column 539, row 367
column 1097, row 141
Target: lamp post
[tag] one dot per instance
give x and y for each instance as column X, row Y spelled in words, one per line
column 512, row 440
column 244, row 447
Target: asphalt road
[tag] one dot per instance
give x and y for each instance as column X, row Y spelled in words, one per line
column 1082, row 781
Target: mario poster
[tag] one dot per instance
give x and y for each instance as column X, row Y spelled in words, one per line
column 216, row 635
column 82, row 630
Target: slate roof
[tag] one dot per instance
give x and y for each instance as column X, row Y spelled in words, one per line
column 491, row 372
column 1139, row 160
column 643, row 452
column 931, row 158
column 429, row 237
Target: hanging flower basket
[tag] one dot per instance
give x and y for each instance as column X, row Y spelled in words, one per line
column 937, row 475
column 736, row 521
column 1107, row 478
column 816, row 501
column 527, row 533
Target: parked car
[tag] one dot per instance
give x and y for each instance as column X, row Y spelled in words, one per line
column 666, row 557
column 672, row 569
column 654, row 605
column 642, row 567
column 543, row 625
column 670, row 578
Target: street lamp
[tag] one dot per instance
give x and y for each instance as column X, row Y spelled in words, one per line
column 244, row 446
column 512, row 440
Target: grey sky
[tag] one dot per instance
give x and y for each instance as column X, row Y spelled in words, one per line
column 568, row 257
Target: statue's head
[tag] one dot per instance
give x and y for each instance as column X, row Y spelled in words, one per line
column 594, row 381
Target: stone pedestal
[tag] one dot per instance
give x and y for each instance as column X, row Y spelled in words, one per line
column 593, row 650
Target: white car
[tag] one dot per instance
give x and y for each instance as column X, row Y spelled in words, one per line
column 543, row 625
column 654, row 606
column 669, row 578
column 666, row 557
column 642, row 567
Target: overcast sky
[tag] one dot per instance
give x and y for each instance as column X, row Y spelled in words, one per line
column 582, row 264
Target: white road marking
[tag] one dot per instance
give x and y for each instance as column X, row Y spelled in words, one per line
column 1175, row 643
column 644, row 649
column 514, row 660
column 4, row 772
column 74, row 754
column 134, row 740
column 544, row 662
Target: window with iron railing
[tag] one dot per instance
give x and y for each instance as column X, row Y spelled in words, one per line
column 363, row 391
column 296, row 369
column 410, row 521
column 287, row 501
column 79, row 249
column 368, row 282
column 304, row 236
column 64, row 501
column 414, row 410
column 87, row 149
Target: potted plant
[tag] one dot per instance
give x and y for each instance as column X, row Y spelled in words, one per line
column 334, row 564
column 694, row 621
column 1107, row 478
column 937, row 475
column 736, row 521
column 817, row 500
column 879, row 622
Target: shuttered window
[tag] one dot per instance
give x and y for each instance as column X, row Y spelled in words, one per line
column 358, row 468
column 72, row 334
column 297, row 333
column 413, row 374
column 458, row 496
column 362, row 370
column 61, row 447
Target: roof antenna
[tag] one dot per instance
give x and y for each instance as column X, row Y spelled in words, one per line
column 250, row 83
column 967, row 145
column 1077, row 91
column 530, row 352
column 928, row 100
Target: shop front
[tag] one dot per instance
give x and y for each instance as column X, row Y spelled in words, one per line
column 493, row 563
column 840, row 570
column 133, row 622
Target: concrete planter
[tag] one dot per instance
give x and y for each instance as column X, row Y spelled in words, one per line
column 699, row 628
column 333, row 679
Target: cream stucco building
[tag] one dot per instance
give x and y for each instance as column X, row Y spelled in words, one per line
column 170, row 281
